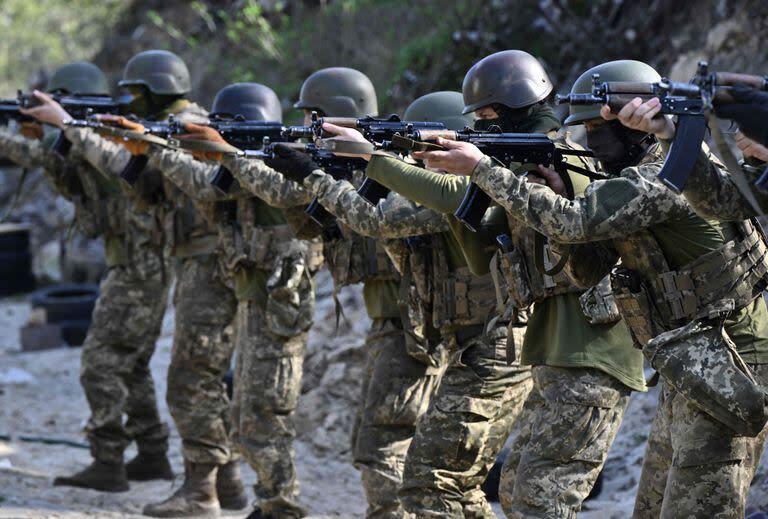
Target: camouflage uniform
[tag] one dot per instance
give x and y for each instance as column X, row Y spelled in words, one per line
column 708, row 466
column 480, row 395
column 152, row 231
column 273, row 318
column 574, row 417
column 203, row 340
column 128, row 314
column 397, row 386
column 713, row 194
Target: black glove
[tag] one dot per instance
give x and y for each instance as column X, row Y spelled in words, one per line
column 293, row 164
column 750, row 111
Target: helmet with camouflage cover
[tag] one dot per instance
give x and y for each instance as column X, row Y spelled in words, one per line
column 339, row 92
column 512, row 78
column 620, row 70
column 441, row 107
column 160, row 71
column 252, row 101
column 80, row 77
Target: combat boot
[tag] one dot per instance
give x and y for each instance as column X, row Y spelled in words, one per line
column 145, row 467
column 107, row 477
column 229, row 487
column 195, row 498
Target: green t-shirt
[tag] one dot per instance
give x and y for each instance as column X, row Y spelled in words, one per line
column 558, row 334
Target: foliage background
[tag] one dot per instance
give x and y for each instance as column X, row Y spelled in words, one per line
column 407, row 48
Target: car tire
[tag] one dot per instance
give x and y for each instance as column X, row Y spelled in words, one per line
column 67, row 302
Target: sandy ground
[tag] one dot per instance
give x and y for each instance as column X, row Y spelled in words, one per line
column 40, row 396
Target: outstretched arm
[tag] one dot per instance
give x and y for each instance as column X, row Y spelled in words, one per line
column 266, row 183
column 189, row 174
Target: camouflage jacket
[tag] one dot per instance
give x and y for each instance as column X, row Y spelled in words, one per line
column 99, row 210
column 713, row 194
column 164, row 215
column 246, row 238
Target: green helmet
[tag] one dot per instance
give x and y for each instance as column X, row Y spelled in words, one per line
column 512, row 78
column 339, row 92
column 620, row 70
column 252, row 101
column 441, row 107
column 80, row 77
column 162, row 72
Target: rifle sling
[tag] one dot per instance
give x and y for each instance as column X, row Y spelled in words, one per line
column 737, row 174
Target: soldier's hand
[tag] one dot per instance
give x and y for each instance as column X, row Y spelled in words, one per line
column 31, row 130
column 48, row 111
column 750, row 111
column 293, row 164
column 548, row 177
column 346, row 134
column 135, row 147
column 644, row 117
column 200, row 132
column 751, row 149
column 459, row 158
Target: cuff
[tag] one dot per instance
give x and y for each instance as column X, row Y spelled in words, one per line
column 483, row 168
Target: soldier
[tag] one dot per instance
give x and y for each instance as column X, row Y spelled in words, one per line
column 205, row 305
column 403, row 370
column 584, row 365
column 272, row 272
column 690, row 284
column 347, row 92
column 126, row 321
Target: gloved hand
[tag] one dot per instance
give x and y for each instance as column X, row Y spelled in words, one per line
column 293, row 164
column 750, row 111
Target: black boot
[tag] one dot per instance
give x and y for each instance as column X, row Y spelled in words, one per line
column 145, row 467
column 229, row 487
column 106, row 477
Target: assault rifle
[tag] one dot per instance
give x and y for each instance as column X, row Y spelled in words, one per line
column 528, row 149
column 338, row 166
column 379, row 131
column 692, row 104
column 79, row 106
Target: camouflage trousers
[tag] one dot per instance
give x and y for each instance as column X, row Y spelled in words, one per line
column 203, row 343
column 271, row 341
column 396, row 391
column 695, row 466
column 569, row 422
column 114, row 370
column 457, row 440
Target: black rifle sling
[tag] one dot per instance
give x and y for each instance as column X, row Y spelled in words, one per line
column 540, row 241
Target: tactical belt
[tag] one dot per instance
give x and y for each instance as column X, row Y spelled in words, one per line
column 736, row 271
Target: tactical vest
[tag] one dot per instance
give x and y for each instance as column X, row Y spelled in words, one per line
column 653, row 298
column 454, row 298
column 243, row 244
column 516, row 267
column 353, row 258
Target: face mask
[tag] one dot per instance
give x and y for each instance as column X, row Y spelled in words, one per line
column 617, row 147
column 537, row 118
column 136, row 103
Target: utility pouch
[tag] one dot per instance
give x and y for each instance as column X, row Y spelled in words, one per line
column 634, row 305
column 516, row 273
column 598, row 303
column 700, row 361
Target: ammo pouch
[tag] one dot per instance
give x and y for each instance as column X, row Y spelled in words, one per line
column 598, row 303
column 634, row 304
column 462, row 299
column 701, row 363
column 353, row 258
column 525, row 284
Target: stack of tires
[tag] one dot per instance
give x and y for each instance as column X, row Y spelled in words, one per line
column 15, row 260
column 68, row 306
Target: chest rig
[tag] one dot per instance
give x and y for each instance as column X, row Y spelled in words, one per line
column 653, row 298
